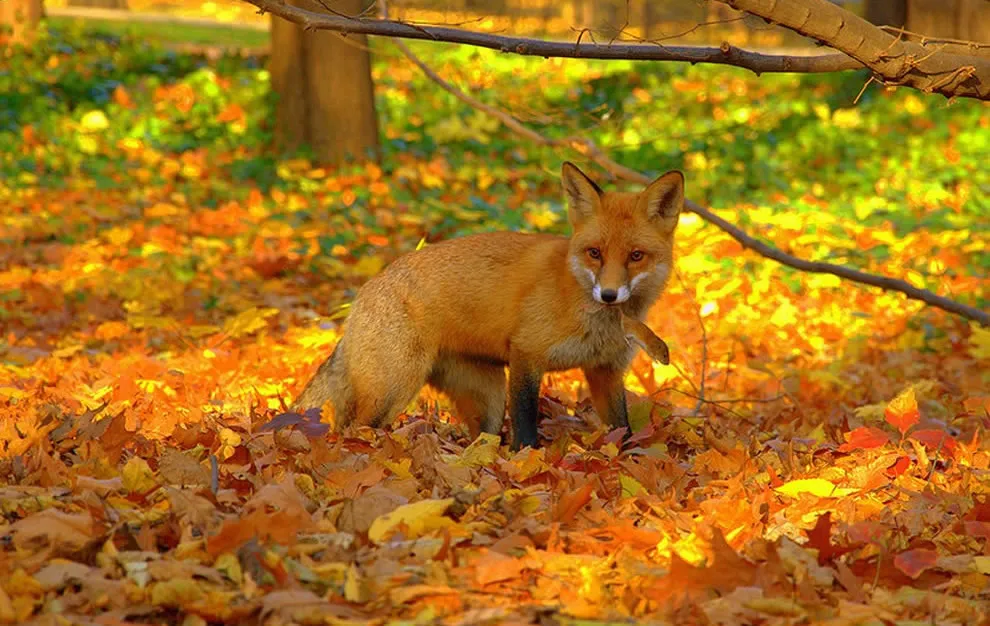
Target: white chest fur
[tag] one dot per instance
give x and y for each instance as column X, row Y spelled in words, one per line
column 601, row 342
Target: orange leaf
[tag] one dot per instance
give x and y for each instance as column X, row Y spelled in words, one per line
column 571, row 503
column 864, row 438
column 122, row 98
column 900, row 466
column 915, row 562
column 902, row 412
column 233, row 113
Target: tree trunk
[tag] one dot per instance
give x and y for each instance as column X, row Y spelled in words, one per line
column 887, row 12
column 19, row 19
column 100, row 4
column 953, row 19
column 325, row 94
column 649, row 18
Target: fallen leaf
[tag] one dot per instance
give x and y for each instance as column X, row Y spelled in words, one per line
column 902, row 411
column 864, row 438
column 415, row 520
column 914, row 562
column 815, row 486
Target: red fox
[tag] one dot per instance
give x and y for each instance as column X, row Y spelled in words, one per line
column 453, row 314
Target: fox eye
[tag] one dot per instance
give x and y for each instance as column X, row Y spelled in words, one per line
column 636, row 255
column 594, row 253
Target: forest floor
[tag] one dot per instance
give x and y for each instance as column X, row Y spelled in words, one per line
column 814, row 453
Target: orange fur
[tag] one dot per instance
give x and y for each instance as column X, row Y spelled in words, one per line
column 454, row 313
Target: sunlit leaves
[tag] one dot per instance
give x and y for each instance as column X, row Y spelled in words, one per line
column 902, row 411
column 864, row 438
column 171, row 286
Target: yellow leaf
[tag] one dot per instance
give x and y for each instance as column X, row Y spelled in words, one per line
column 137, row 476
column 785, row 315
column 177, row 592
column 979, row 342
column 815, row 486
column 368, row 266
column 247, row 322
column 419, row 518
column 94, row 121
column 401, row 469
column 354, row 588
column 982, row 564
column 482, row 451
column 782, row 607
column 630, row 486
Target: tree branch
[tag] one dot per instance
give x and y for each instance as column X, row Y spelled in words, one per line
column 725, row 54
column 894, row 60
column 589, row 149
column 935, row 67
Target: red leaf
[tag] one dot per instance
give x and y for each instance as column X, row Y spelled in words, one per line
column 820, row 537
column 936, row 439
column 900, row 466
column 914, row 562
column 902, row 412
column 977, row 529
column 864, row 438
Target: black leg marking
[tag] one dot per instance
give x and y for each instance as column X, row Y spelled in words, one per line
column 524, row 407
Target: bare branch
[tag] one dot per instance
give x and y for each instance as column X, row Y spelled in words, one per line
column 894, row 60
column 590, row 150
column 725, row 54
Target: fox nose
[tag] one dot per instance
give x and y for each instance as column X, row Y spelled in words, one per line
column 609, row 295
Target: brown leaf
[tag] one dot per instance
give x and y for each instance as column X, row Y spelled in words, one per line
column 54, row 528
column 357, row 515
column 180, row 468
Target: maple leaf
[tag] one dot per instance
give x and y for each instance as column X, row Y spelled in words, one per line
column 415, row 520
column 914, row 562
column 572, row 502
column 936, row 439
column 902, row 411
column 864, row 438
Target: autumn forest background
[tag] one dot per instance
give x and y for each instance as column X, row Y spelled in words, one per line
column 191, row 193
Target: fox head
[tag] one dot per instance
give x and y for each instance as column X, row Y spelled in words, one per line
column 622, row 243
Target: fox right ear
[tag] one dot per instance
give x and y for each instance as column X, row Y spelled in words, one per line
column 583, row 195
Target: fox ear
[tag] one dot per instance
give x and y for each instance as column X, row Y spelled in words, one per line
column 664, row 197
column 583, row 195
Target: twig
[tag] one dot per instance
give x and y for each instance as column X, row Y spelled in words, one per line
column 593, row 152
column 704, row 348
column 925, row 39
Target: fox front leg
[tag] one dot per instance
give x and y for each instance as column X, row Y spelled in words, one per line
column 608, row 395
column 524, row 404
column 639, row 333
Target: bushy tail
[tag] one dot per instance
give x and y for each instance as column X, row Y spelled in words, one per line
column 325, row 384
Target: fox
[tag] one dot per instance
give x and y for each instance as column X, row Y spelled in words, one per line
column 454, row 314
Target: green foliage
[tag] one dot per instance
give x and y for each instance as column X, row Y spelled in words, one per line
column 109, row 111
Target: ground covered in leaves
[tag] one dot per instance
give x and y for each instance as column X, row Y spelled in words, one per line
column 815, row 453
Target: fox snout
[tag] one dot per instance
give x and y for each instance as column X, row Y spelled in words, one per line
column 609, row 295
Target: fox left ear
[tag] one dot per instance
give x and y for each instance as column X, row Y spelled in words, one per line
column 664, row 197
column 583, row 195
